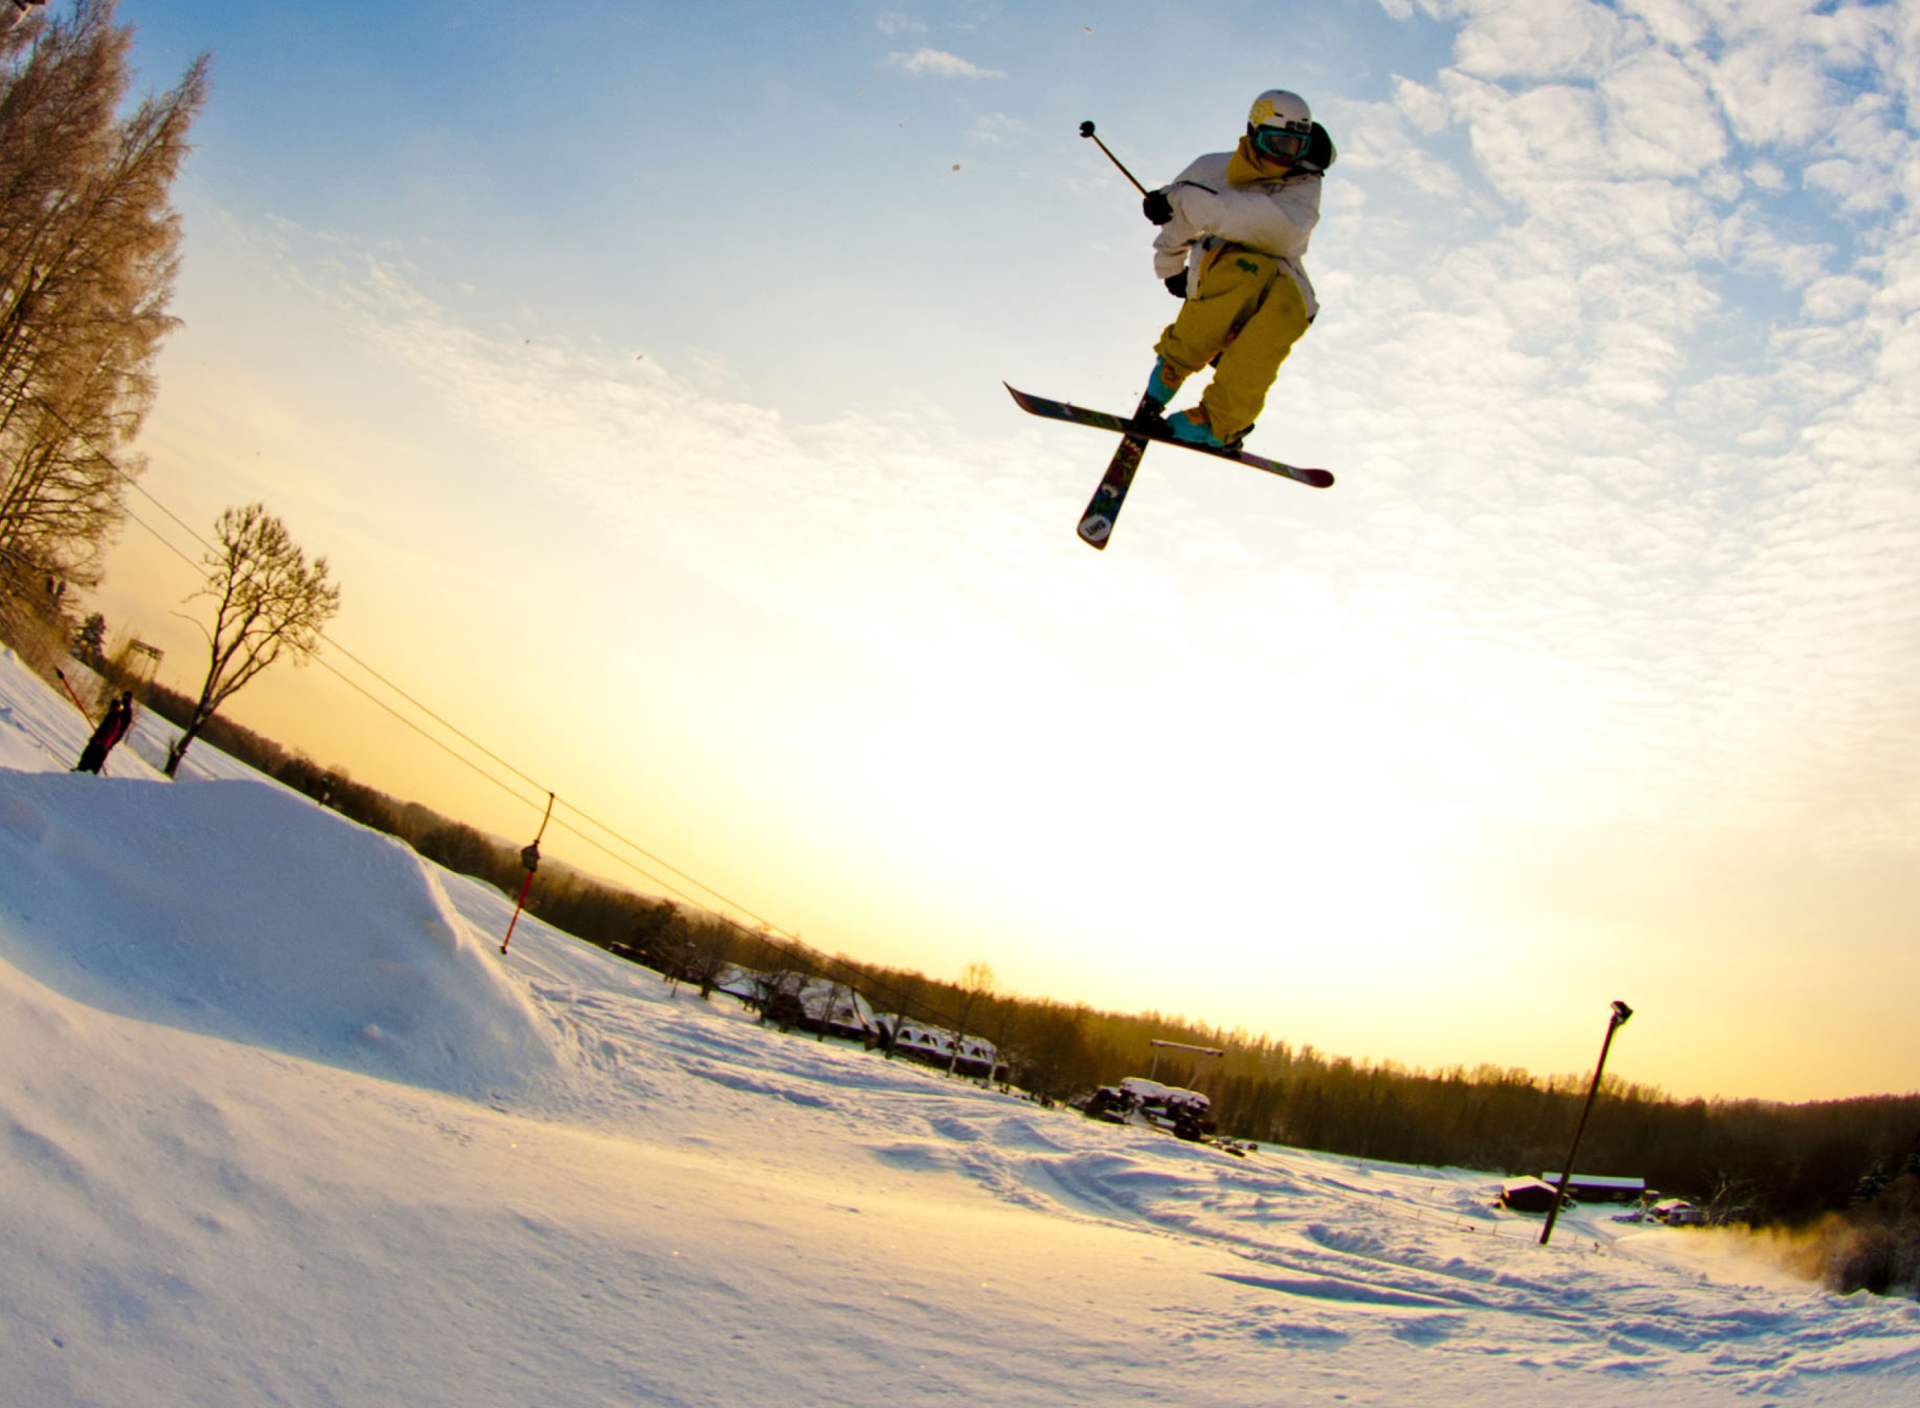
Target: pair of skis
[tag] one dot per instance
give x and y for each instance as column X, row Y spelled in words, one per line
column 1096, row 525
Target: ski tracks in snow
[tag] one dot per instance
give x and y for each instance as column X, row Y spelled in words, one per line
column 1320, row 1251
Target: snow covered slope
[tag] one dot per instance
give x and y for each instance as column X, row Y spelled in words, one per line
column 242, row 910
column 280, row 1125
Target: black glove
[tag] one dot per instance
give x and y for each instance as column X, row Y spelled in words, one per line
column 1320, row 152
column 1177, row 285
column 1157, row 208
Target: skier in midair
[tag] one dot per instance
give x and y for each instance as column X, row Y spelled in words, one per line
column 1233, row 228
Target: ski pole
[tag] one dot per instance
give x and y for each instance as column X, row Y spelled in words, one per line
column 1086, row 130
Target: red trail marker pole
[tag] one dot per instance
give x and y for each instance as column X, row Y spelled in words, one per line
column 530, row 858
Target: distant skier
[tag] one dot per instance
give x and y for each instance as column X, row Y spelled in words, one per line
column 1234, row 226
column 113, row 727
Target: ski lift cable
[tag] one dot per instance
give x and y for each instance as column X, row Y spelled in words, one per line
column 562, row 801
column 404, row 694
column 769, row 930
column 610, row 831
column 559, row 800
column 324, row 664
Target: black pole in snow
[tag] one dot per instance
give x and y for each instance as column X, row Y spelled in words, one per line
column 1619, row 1019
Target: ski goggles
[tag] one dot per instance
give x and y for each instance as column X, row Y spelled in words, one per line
column 1279, row 144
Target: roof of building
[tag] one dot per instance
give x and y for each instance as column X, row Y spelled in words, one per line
column 1595, row 1180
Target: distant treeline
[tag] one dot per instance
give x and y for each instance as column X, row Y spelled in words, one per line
column 1750, row 1160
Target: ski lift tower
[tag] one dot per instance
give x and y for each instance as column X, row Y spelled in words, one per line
column 143, row 660
column 1159, row 1045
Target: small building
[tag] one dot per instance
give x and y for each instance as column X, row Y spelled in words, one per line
column 793, row 1000
column 1592, row 1188
column 836, row 1009
column 1527, row 1195
column 970, row 1056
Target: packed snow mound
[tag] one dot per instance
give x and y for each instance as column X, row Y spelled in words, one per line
column 246, row 911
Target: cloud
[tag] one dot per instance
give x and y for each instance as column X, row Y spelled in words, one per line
column 1537, row 39
column 1754, row 245
column 1730, row 442
column 1832, row 299
column 1387, row 137
column 1542, row 134
column 1774, row 94
column 995, row 127
column 1425, row 108
column 1674, row 22
column 891, row 23
column 940, row 64
column 1662, row 120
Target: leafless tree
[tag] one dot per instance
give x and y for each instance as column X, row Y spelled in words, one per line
column 1051, row 1050
column 776, row 993
column 710, row 945
column 977, row 980
column 268, row 600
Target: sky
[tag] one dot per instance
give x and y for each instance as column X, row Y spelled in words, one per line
column 637, row 369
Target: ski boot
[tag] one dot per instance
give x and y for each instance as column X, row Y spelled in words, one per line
column 1191, row 428
column 1163, row 383
column 1151, row 413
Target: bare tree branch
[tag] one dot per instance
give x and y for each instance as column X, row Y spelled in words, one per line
column 269, row 601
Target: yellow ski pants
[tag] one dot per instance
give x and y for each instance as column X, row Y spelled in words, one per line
column 1248, row 313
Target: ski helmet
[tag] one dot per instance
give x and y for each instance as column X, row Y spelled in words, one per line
column 1280, row 126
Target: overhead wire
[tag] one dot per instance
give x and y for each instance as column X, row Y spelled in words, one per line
column 768, row 930
column 107, row 457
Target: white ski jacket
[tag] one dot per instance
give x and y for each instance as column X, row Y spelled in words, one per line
column 1272, row 216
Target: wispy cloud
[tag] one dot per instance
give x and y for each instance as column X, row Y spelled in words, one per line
column 995, row 127
column 940, row 64
column 892, row 23
column 1424, row 107
column 1720, row 449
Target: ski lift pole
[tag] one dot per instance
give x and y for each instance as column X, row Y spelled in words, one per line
column 530, row 858
column 1619, row 1019
column 1086, row 130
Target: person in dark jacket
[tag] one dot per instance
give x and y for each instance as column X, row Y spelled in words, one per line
column 113, row 728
